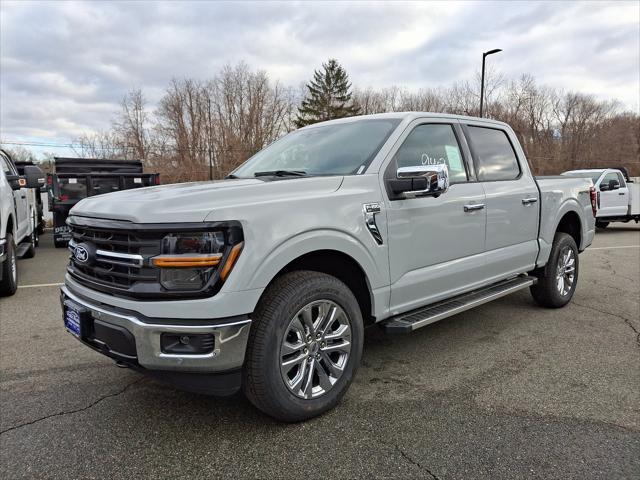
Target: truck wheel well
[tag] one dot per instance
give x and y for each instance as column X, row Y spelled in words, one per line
column 341, row 266
column 570, row 224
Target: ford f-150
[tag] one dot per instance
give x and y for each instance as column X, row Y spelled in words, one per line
column 265, row 280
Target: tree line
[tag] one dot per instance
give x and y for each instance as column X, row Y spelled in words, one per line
column 203, row 129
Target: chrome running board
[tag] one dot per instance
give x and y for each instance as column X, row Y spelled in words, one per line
column 420, row 317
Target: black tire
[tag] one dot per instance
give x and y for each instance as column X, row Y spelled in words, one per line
column 263, row 382
column 602, row 225
column 9, row 282
column 547, row 291
column 33, row 243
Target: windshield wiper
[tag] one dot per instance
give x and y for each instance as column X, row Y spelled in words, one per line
column 230, row 176
column 281, row 173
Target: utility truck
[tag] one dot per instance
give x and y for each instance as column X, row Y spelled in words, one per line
column 618, row 197
column 265, row 280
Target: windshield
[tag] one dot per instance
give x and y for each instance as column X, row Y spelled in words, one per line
column 339, row 149
column 592, row 174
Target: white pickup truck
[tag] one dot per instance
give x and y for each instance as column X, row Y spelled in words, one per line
column 265, row 281
column 618, row 197
column 18, row 218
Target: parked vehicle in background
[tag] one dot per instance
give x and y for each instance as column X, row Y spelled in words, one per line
column 77, row 178
column 18, row 211
column 266, row 280
column 618, row 197
column 37, row 196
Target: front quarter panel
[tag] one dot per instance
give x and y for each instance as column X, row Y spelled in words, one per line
column 278, row 232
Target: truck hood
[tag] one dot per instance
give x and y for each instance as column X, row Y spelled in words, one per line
column 194, row 202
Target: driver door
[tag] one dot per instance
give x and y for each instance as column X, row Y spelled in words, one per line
column 436, row 245
column 613, row 202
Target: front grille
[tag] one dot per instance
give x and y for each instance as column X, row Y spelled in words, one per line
column 119, row 256
column 121, row 259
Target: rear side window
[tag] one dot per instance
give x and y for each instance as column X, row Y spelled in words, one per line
column 72, row 188
column 494, row 156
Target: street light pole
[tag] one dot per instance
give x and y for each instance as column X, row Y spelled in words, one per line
column 485, row 55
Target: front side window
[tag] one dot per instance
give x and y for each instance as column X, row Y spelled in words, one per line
column 338, row 149
column 608, row 177
column 494, row 156
column 6, row 166
column 432, row 144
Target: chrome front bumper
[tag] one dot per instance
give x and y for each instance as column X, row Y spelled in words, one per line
column 230, row 339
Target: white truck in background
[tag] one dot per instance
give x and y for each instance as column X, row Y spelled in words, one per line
column 618, row 197
column 18, row 218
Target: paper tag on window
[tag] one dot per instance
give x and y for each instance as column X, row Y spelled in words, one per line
column 453, row 155
column 137, row 180
column 73, row 180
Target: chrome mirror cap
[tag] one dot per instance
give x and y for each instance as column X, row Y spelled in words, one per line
column 435, row 179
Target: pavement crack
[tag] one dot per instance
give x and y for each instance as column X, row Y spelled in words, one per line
column 624, row 319
column 77, row 410
column 413, row 462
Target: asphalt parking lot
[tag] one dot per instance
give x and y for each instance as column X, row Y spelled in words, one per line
column 508, row 390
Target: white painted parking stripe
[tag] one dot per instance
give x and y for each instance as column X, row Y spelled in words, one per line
column 611, row 248
column 40, row 285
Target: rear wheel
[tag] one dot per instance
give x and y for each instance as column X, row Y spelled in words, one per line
column 304, row 347
column 602, row 224
column 9, row 282
column 558, row 279
column 32, row 241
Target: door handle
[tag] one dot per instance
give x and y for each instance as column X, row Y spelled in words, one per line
column 620, row 193
column 529, row 201
column 472, row 207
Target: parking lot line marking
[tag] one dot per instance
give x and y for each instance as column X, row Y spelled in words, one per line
column 41, row 285
column 611, row 248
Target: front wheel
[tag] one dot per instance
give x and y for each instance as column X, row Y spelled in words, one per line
column 304, row 347
column 602, row 225
column 558, row 279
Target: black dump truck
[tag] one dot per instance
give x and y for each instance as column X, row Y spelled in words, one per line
column 77, row 178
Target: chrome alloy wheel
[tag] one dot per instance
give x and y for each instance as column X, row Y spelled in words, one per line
column 566, row 271
column 315, row 349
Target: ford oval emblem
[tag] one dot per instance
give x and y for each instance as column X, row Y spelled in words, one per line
column 81, row 254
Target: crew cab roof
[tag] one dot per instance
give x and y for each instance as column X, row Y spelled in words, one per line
column 409, row 116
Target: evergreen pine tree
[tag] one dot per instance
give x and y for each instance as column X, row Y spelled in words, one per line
column 328, row 96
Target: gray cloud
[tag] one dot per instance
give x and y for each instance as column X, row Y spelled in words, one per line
column 65, row 66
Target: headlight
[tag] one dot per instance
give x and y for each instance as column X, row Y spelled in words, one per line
column 194, row 261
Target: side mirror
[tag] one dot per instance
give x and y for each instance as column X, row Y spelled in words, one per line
column 614, row 185
column 35, row 176
column 16, row 182
column 421, row 180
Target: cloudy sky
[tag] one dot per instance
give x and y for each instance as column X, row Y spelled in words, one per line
column 64, row 66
